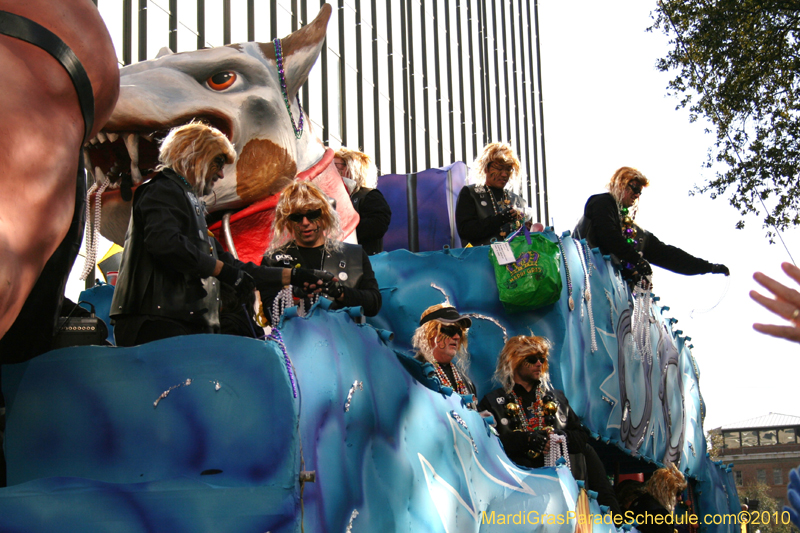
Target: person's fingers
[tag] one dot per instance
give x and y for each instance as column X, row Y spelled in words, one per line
column 779, row 307
column 791, row 271
column 784, row 332
column 778, row 289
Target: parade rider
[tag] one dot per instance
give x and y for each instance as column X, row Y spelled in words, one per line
column 171, row 265
column 486, row 210
column 306, row 234
column 533, row 418
column 441, row 340
column 608, row 223
column 360, row 176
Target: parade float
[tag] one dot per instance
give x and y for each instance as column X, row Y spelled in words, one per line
column 327, row 424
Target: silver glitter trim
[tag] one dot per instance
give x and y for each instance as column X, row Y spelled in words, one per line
column 463, row 424
column 446, row 298
column 692, row 450
column 356, row 384
column 166, row 392
column 492, row 320
column 609, row 400
column 352, row 517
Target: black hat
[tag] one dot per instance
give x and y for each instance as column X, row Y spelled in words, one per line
column 447, row 315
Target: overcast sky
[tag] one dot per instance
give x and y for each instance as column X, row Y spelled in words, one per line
column 605, row 107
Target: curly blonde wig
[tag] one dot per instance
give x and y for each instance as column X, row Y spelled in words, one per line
column 429, row 334
column 664, row 485
column 619, row 181
column 514, row 353
column 494, row 152
column 301, row 196
column 190, row 149
column 360, row 167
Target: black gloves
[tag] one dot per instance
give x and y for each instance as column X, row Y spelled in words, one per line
column 508, row 214
column 333, row 289
column 241, row 281
column 643, row 268
column 303, row 275
column 537, row 441
column 720, row 269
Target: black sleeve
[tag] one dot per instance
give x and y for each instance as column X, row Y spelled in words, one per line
column 270, row 291
column 601, row 211
column 368, row 294
column 375, row 216
column 576, row 434
column 673, row 258
column 165, row 217
column 469, row 225
column 266, row 277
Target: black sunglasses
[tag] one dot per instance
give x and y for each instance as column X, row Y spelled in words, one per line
column 452, row 330
column 219, row 162
column 310, row 215
column 533, row 359
column 635, row 189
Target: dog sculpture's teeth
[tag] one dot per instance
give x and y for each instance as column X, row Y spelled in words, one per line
column 113, row 136
column 132, row 144
column 101, row 137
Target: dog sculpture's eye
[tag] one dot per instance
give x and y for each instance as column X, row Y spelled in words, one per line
column 221, row 80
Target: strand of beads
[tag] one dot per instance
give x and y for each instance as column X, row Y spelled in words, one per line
column 93, row 227
column 298, row 130
column 587, row 293
column 275, row 335
column 556, row 450
column 642, row 300
column 282, row 301
column 460, row 388
column 566, row 271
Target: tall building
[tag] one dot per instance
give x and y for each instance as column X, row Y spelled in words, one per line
column 763, row 449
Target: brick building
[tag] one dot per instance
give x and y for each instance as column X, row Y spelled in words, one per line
column 762, row 449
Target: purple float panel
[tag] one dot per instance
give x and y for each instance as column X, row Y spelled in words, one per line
column 423, row 208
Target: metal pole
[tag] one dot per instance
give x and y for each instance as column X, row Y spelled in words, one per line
column 541, row 110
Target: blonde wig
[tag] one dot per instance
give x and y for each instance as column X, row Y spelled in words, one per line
column 494, row 152
column 302, row 196
column 190, row 149
column 360, row 167
column 514, row 353
column 620, row 180
column 428, row 334
column 664, row 485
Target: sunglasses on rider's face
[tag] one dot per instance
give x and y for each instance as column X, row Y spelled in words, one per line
column 635, row 188
column 500, row 167
column 218, row 162
column 452, row 330
column 310, row 215
column 533, row 359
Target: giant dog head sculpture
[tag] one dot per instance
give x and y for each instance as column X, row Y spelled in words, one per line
column 236, row 88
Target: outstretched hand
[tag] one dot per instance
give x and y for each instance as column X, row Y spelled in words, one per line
column 785, row 304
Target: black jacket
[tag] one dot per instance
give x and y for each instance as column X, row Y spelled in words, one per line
column 509, row 427
column 476, row 220
column 602, row 228
column 169, row 257
column 376, row 215
column 350, row 265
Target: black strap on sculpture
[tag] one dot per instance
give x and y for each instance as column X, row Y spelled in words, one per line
column 29, row 31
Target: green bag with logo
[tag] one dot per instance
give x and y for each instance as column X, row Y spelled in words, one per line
column 534, row 278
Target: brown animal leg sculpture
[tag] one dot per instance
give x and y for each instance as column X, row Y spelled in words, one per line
column 41, row 135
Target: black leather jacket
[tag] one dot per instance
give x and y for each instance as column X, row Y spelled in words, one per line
column 509, row 427
column 476, row 220
column 168, row 258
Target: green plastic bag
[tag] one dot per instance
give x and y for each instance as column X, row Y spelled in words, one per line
column 534, row 279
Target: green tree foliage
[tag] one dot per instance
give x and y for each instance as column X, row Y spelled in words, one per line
column 737, row 63
column 760, row 492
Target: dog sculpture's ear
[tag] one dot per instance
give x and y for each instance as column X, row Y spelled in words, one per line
column 300, row 50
